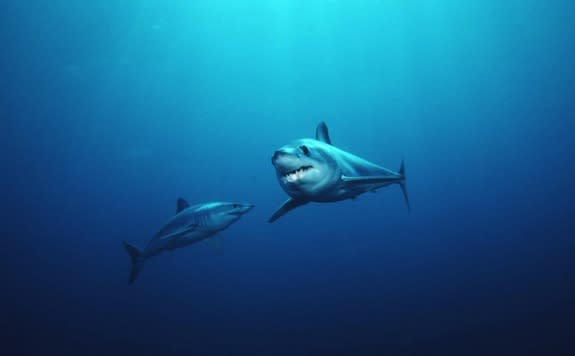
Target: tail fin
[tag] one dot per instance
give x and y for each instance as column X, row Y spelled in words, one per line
column 138, row 260
column 402, row 185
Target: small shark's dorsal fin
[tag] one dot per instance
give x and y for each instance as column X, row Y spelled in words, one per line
column 181, row 205
column 322, row 134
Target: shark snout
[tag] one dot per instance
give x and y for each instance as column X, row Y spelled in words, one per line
column 276, row 156
column 240, row 209
column 247, row 207
column 285, row 160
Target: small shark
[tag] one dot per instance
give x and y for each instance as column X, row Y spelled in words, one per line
column 191, row 224
column 314, row 170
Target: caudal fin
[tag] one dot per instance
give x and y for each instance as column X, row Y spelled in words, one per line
column 402, row 185
column 138, row 260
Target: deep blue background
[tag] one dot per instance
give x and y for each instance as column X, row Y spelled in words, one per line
column 110, row 110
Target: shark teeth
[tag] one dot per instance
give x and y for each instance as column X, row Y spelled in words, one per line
column 296, row 174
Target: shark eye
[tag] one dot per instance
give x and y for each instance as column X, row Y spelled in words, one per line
column 304, row 149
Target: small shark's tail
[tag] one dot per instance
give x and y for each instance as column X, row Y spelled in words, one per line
column 138, row 260
column 402, row 185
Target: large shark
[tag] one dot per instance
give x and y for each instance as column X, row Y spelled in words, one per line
column 191, row 224
column 314, row 170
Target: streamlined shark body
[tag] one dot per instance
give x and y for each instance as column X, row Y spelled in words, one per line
column 314, row 170
column 191, row 224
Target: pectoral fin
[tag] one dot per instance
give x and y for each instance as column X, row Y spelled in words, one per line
column 217, row 243
column 371, row 180
column 375, row 182
column 286, row 207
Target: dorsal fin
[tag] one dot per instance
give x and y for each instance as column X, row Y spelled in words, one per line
column 181, row 205
column 322, row 134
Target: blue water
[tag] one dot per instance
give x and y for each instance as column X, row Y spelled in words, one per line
column 110, row 110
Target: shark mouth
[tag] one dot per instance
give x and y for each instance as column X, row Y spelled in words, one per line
column 296, row 174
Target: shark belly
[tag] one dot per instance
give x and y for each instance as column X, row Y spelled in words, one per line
column 174, row 241
column 191, row 238
column 353, row 169
column 343, row 191
column 336, row 192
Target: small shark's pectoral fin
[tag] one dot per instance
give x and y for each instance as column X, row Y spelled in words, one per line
column 370, row 180
column 181, row 205
column 217, row 244
column 322, row 133
column 286, row 207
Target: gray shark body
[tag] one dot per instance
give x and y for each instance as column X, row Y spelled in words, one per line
column 191, row 224
column 314, row 170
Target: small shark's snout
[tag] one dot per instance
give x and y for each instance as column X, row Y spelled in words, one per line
column 247, row 207
column 241, row 208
